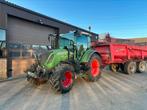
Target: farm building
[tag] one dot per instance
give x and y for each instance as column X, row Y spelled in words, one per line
column 20, row 31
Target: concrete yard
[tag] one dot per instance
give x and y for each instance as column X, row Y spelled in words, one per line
column 114, row 91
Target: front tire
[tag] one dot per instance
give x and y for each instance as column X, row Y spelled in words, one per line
column 94, row 73
column 62, row 78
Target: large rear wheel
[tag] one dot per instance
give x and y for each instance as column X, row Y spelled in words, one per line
column 94, row 64
column 62, row 78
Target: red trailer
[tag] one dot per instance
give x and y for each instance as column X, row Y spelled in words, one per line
column 121, row 54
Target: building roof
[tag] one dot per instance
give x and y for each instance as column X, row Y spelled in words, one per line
column 39, row 14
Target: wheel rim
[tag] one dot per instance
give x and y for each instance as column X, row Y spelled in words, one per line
column 142, row 67
column 67, row 81
column 114, row 67
column 95, row 67
column 132, row 68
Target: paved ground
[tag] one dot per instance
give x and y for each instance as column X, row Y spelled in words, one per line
column 114, row 91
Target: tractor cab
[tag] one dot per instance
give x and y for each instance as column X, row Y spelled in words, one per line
column 78, row 38
column 73, row 41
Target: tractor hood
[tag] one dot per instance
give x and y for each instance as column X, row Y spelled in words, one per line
column 51, row 59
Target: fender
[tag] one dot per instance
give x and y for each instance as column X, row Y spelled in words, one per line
column 87, row 55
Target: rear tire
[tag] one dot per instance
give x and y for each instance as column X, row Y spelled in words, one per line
column 94, row 73
column 141, row 67
column 130, row 67
column 62, row 78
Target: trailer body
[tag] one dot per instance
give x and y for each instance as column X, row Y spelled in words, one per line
column 116, row 51
column 121, row 53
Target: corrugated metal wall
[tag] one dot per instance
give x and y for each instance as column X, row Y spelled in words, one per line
column 22, row 31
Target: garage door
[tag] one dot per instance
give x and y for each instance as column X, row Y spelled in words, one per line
column 28, row 32
column 22, row 36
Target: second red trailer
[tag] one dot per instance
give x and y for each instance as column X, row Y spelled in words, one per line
column 121, row 53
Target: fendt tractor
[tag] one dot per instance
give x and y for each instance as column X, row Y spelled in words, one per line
column 60, row 66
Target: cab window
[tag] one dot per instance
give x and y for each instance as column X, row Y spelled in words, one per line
column 64, row 43
column 2, row 35
column 83, row 41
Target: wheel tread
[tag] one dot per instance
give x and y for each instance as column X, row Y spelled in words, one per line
column 56, row 75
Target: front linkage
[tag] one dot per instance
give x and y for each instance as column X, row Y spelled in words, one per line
column 36, row 74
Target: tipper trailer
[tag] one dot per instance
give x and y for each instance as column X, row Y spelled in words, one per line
column 121, row 54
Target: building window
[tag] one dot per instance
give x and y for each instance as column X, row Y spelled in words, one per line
column 20, row 50
column 2, row 35
column 2, row 43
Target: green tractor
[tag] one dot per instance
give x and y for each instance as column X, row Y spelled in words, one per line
column 61, row 66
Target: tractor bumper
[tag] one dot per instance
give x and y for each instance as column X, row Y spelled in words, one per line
column 32, row 77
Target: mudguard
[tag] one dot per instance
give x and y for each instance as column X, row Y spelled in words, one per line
column 87, row 55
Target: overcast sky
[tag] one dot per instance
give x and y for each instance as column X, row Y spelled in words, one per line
column 121, row 18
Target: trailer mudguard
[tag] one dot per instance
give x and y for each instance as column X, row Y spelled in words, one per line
column 87, row 55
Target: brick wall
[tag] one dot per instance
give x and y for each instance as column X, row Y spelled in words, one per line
column 19, row 65
column 3, row 68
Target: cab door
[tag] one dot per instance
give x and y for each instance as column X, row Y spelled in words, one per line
column 83, row 43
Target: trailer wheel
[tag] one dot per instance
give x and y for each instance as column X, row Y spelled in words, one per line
column 62, row 78
column 130, row 67
column 141, row 67
column 94, row 72
column 114, row 67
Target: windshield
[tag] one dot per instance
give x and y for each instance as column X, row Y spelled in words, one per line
column 83, row 41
